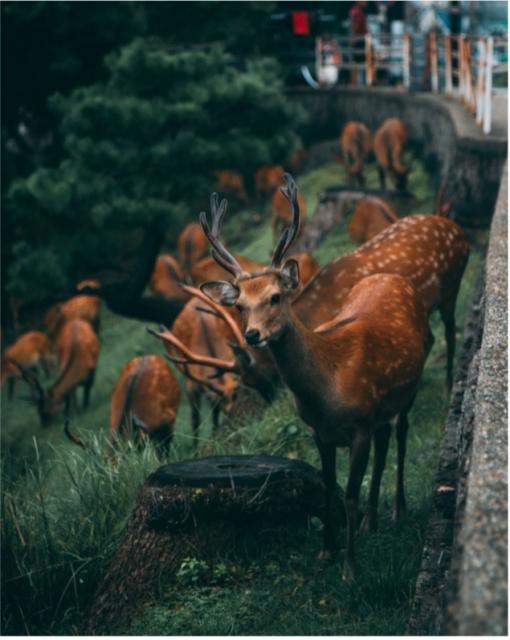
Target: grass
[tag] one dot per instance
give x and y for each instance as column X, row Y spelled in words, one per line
column 63, row 511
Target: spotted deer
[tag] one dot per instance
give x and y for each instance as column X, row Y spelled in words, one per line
column 145, row 401
column 80, row 307
column 390, row 140
column 30, row 350
column 78, row 350
column 430, row 250
column 356, row 145
column 166, row 278
column 349, row 377
column 191, row 247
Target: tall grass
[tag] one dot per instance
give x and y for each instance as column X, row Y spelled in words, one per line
column 64, row 509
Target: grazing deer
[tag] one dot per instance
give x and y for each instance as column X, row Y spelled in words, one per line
column 146, row 397
column 166, row 278
column 370, row 217
column 356, row 144
column 281, row 213
column 81, row 307
column 349, row 377
column 30, row 350
column 231, row 183
column 191, row 247
column 78, row 350
column 267, row 180
column 389, row 144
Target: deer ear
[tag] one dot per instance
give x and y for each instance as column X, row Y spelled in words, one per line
column 221, row 292
column 290, row 274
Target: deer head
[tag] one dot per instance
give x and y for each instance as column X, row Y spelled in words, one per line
column 263, row 299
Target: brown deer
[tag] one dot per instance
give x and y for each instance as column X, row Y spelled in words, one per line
column 191, row 247
column 78, row 350
column 281, row 213
column 81, row 307
column 370, row 217
column 267, row 180
column 389, row 144
column 231, row 183
column 30, row 350
column 349, row 377
column 356, row 144
column 166, row 278
column 145, row 401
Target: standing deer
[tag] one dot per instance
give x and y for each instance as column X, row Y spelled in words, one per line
column 389, row 144
column 349, row 377
column 78, row 349
column 29, row 350
column 231, row 183
column 81, row 307
column 191, row 247
column 146, row 397
column 166, row 278
column 356, row 144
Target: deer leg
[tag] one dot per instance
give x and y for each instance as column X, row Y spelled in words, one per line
column 399, row 505
column 448, row 318
column 358, row 459
column 86, row 390
column 216, row 411
column 382, row 177
column 381, row 442
column 328, row 460
column 194, row 400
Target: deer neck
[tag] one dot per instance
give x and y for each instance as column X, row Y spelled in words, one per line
column 298, row 354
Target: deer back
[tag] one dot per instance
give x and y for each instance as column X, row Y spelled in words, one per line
column 29, row 350
column 166, row 277
column 389, row 144
column 147, row 389
column 356, row 144
column 430, row 251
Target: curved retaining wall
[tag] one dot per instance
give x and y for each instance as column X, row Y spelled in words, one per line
column 444, row 135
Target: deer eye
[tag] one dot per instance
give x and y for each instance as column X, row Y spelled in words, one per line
column 275, row 299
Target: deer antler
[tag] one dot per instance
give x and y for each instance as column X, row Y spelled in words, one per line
column 289, row 233
column 190, row 357
column 219, row 252
column 220, row 311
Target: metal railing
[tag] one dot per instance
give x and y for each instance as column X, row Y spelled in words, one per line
column 459, row 66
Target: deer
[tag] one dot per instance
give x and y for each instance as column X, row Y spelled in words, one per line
column 390, row 140
column 267, row 180
column 356, row 144
column 349, row 377
column 191, row 247
column 281, row 213
column 371, row 215
column 78, row 351
column 166, row 278
column 83, row 307
column 203, row 336
column 30, row 350
column 231, row 183
column 145, row 401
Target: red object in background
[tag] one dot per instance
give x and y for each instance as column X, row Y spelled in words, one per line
column 300, row 23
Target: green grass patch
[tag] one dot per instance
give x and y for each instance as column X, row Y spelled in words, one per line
column 63, row 510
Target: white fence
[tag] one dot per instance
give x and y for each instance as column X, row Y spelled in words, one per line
column 459, row 66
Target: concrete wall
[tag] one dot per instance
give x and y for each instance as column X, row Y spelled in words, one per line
column 444, row 135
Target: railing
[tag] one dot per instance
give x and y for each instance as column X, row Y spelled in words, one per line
column 459, row 66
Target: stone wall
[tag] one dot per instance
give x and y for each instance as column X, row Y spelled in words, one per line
column 441, row 132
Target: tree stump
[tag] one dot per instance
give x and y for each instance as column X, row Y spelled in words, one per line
column 201, row 508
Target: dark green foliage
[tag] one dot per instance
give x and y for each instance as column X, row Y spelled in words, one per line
column 141, row 150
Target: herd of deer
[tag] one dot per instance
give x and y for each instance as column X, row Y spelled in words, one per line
column 349, row 340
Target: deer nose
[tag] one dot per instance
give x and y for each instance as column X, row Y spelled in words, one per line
column 252, row 336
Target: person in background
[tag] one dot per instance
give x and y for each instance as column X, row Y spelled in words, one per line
column 359, row 30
